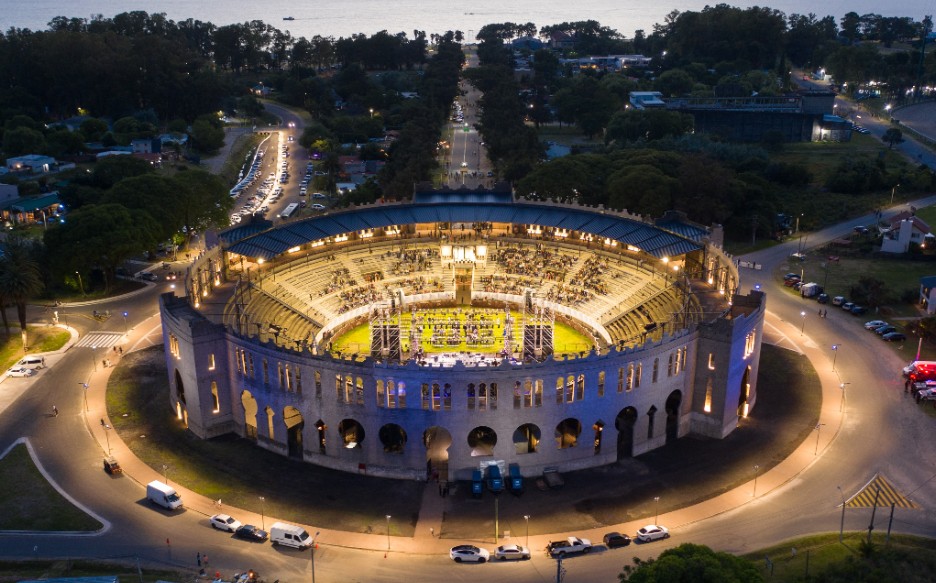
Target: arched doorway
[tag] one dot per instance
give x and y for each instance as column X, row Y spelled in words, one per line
column 744, row 391
column 624, row 423
column 526, row 438
column 567, row 432
column 294, row 423
column 482, row 440
column 321, row 429
column 598, row 427
column 181, row 409
column 393, row 438
column 672, row 406
column 352, row 433
column 250, row 415
column 437, row 441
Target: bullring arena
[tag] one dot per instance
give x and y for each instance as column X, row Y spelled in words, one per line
column 462, row 330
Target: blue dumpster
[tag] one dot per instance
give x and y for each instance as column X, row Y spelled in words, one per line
column 516, row 479
column 477, row 484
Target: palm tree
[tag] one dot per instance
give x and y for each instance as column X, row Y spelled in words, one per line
column 20, row 276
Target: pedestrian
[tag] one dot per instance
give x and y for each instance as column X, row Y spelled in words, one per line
column 440, row 489
column 204, row 559
column 432, row 532
column 54, row 411
column 120, row 350
column 198, row 558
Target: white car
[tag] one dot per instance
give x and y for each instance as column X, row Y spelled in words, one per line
column 225, row 522
column 21, row 372
column 318, row 207
column 652, row 532
column 469, row 553
column 512, row 552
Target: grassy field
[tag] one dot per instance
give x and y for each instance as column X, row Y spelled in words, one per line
column 38, row 338
column 566, row 339
column 29, row 502
column 33, row 570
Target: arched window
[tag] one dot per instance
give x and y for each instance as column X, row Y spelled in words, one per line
column 381, row 397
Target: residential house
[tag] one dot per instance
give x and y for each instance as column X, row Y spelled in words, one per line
column 928, row 294
column 31, row 164
column 31, row 209
column 905, row 228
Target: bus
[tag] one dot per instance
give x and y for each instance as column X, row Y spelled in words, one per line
column 289, row 210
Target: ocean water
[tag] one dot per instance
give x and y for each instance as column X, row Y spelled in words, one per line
column 347, row 17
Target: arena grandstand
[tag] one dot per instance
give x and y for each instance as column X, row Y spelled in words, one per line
column 446, row 319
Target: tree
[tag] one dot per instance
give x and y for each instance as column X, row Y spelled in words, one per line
column 20, row 277
column 893, row 136
column 689, row 563
column 208, row 133
column 23, row 140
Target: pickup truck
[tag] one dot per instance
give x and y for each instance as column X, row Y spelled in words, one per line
column 569, row 546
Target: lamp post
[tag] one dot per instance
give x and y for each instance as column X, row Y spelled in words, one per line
column 93, row 358
column 85, row 385
column 126, row 330
column 842, row 524
column 165, row 474
column 526, row 517
column 106, row 435
column 754, row 493
column 893, row 191
column 388, row 533
column 818, row 428
column 656, row 509
column 835, row 348
column 314, row 544
column 842, row 405
column 803, row 327
column 262, row 518
column 81, row 284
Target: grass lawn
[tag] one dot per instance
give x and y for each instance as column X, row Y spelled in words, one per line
column 29, row 502
column 238, row 472
column 916, row 554
column 38, row 338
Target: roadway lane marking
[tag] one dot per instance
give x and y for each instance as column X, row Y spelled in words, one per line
column 888, row 495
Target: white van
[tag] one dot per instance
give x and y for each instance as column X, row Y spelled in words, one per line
column 32, row 361
column 163, row 495
column 290, row 535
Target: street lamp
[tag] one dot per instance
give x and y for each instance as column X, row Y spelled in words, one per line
column 526, row 517
column 388, row 534
column 106, row 435
column 894, row 190
column 754, row 493
column 803, row 327
column 656, row 509
column 93, row 358
column 85, row 385
column 835, row 348
column 81, row 284
column 262, row 519
column 842, row 524
column 126, row 330
column 842, row 406
column 165, row 474
column 314, row 544
column 818, row 428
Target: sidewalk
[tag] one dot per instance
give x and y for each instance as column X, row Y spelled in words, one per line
column 429, row 527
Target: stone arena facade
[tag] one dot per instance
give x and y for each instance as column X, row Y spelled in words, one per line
column 675, row 351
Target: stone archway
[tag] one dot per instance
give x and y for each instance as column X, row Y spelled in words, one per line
column 393, row 438
column 482, row 440
column 294, row 423
column 352, row 433
column 250, row 415
column 624, row 423
column 437, row 441
column 567, row 432
column 526, row 438
column 672, row 407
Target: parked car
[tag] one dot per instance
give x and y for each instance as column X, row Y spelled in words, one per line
column 613, row 540
column 251, row 533
column 847, row 306
column 790, row 276
column 317, row 206
column 148, row 276
column 823, row 298
column 469, row 553
column 571, row 545
column 225, row 522
column 885, row 330
column 861, row 230
column 652, row 532
column 19, row 371
column 874, row 324
column 894, row 337
column 838, row 300
column 798, row 256
column 792, row 281
column 512, row 553
column 858, row 310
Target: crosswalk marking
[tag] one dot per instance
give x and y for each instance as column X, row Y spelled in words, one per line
column 889, row 495
column 100, row 339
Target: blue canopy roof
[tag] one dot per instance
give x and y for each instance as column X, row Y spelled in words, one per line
column 654, row 240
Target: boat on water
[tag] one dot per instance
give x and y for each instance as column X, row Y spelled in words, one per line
column 289, row 18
